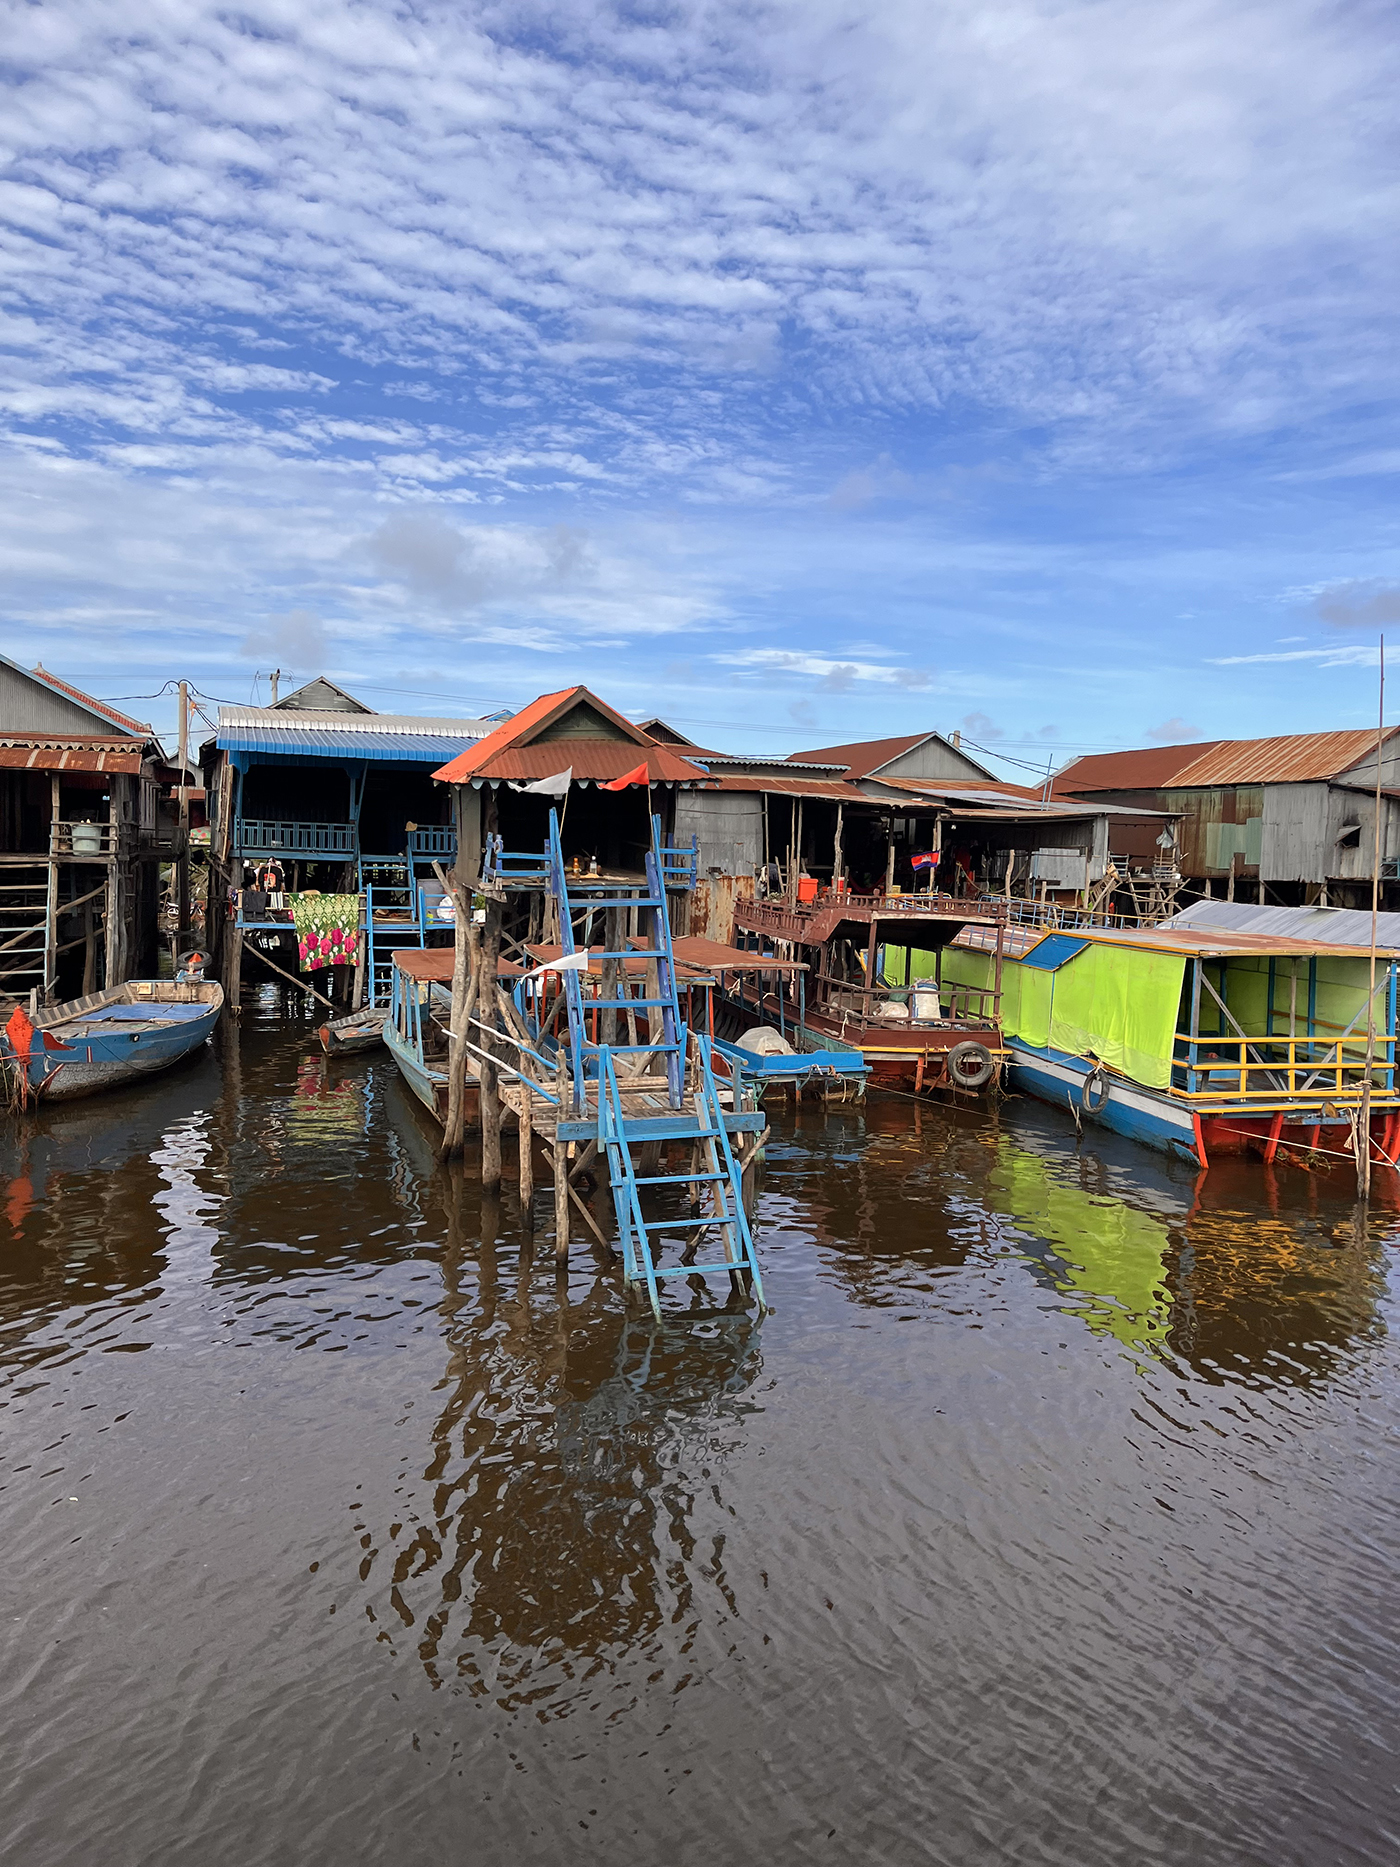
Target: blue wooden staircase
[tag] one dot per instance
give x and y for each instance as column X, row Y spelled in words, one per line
column 620, row 1098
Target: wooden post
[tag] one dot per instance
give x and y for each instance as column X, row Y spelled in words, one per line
column 527, row 1156
column 182, row 852
column 89, row 949
column 112, row 926
column 564, row 1090
column 466, row 991
column 612, row 969
column 838, row 849
column 490, row 1085
column 51, row 931
column 889, row 859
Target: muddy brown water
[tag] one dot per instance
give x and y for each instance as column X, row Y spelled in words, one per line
column 1050, row 1517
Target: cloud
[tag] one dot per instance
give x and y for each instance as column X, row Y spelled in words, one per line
column 1175, row 731
column 980, row 726
column 1359, row 605
column 297, row 640
column 835, row 677
column 802, row 713
column 1351, row 656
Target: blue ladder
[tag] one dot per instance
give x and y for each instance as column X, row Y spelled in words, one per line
column 644, row 1240
column 387, row 882
column 594, row 893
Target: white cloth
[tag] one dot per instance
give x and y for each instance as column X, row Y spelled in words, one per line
column 557, row 786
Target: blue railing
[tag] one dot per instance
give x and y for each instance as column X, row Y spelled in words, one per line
column 512, row 868
column 259, row 836
column 437, row 840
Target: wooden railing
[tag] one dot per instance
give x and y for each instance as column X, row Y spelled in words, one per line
column 265, row 836
column 90, row 841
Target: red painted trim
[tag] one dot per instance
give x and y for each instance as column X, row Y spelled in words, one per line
column 1202, row 1159
column 1271, row 1145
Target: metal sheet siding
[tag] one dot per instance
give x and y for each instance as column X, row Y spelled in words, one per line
column 730, row 829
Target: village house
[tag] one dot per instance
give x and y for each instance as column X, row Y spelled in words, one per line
column 1286, row 821
column 83, row 832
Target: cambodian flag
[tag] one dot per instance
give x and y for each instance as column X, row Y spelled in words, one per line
column 928, row 860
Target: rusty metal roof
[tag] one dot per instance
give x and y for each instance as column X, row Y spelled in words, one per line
column 432, row 965
column 511, row 752
column 1292, row 758
column 833, row 790
column 865, row 756
column 56, row 753
column 1146, row 769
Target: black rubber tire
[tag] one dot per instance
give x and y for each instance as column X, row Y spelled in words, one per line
column 1094, row 1091
column 970, row 1065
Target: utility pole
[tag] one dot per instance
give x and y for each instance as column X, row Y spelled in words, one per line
column 182, row 854
column 1363, row 1118
column 275, row 677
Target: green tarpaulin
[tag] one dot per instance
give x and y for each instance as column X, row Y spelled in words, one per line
column 1117, row 1003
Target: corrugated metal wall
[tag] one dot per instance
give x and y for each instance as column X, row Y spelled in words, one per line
column 29, row 707
column 1303, row 825
column 729, row 825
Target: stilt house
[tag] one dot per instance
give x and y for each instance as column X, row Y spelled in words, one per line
column 82, row 837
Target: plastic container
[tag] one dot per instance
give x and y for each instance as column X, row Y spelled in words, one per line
column 927, row 1008
column 87, row 839
column 806, row 888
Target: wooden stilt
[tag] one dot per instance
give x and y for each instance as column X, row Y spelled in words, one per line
column 561, row 1172
column 466, row 992
column 527, row 1158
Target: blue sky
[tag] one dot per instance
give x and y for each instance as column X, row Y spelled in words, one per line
column 802, row 373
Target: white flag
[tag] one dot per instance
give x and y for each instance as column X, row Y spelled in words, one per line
column 567, row 962
column 557, row 786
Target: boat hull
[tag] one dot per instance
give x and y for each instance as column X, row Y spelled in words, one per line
column 65, row 1064
column 362, row 1030
column 1128, row 1109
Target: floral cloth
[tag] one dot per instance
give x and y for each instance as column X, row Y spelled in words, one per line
column 328, row 929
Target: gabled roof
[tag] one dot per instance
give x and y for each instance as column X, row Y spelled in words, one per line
column 1293, row 758
column 570, row 730
column 666, row 735
column 863, row 758
column 102, row 713
column 321, row 696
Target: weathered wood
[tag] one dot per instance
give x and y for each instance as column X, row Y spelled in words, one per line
column 561, row 1177
column 292, row 979
column 466, row 986
column 527, row 1158
column 490, row 1093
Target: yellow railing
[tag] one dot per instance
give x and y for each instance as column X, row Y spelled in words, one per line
column 1270, row 1069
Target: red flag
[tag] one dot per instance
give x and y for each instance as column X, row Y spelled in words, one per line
column 638, row 775
column 20, row 1033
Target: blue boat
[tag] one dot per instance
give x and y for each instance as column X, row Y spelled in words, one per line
column 107, row 1039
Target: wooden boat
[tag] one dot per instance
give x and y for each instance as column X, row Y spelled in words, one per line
column 1201, row 1041
column 107, row 1039
column 915, row 1032
column 416, row 1024
column 357, row 1030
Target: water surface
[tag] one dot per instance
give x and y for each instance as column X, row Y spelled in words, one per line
column 1050, row 1517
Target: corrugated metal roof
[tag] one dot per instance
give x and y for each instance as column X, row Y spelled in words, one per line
column 835, row 791
column 1145, row 769
column 84, row 755
column 592, row 761
column 278, row 719
column 66, row 688
column 864, row 757
column 1320, row 926
column 1293, row 758
column 327, row 742
column 511, row 751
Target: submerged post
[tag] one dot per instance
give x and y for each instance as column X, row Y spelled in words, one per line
column 490, row 1085
column 466, row 964
column 564, row 1090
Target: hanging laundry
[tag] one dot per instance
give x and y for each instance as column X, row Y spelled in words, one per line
column 327, row 928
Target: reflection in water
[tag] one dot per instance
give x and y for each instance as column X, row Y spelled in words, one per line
column 338, row 1529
